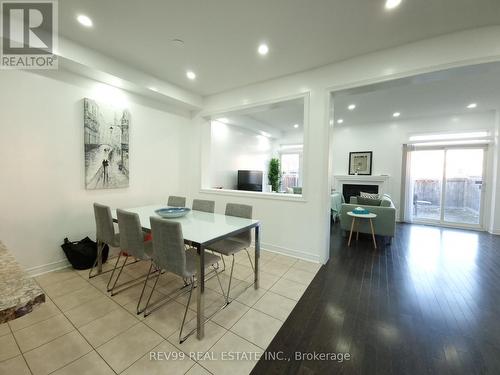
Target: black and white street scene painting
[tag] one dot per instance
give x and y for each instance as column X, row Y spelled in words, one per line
column 106, row 146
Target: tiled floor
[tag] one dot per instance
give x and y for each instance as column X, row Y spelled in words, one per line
column 81, row 330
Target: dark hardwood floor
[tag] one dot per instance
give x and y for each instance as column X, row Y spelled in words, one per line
column 429, row 303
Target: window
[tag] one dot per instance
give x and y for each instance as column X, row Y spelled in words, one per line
column 290, row 170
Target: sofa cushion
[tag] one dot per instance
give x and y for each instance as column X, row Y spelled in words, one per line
column 369, row 195
column 385, row 203
column 368, row 201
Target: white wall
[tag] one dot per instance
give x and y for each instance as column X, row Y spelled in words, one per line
column 386, row 141
column 234, row 148
column 42, row 193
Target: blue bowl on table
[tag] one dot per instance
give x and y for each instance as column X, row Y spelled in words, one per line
column 172, row 212
column 363, row 211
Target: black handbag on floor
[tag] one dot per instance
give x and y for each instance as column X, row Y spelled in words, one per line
column 82, row 254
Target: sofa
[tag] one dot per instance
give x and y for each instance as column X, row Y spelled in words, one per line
column 384, row 224
column 336, row 201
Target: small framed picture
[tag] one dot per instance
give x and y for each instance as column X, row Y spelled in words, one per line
column 360, row 163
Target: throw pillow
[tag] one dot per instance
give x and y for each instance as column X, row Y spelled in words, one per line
column 368, row 201
column 369, row 195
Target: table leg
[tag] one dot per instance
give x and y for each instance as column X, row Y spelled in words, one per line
column 200, row 294
column 352, row 228
column 373, row 235
column 357, row 231
column 257, row 257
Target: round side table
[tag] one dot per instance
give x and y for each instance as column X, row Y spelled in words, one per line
column 368, row 216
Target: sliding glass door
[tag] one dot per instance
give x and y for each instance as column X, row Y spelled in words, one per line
column 427, row 181
column 463, row 186
column 445, row 186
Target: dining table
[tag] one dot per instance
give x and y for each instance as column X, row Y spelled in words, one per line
column 200, row 230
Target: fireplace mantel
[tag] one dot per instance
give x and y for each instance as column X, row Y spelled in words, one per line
column 380, row 181
column 362, row 178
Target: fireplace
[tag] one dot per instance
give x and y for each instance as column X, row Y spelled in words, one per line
column 353, row 190
column 351, row 185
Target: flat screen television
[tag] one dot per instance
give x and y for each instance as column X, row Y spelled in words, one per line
column 250, row 180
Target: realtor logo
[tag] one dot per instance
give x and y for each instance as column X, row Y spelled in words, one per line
column 29, row 34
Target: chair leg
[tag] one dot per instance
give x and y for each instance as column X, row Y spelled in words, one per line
column 230, row 279
column 113, row 272
column 100, row 246
column 220, row 284
column 146, row 313
column 118, row 276
column 223, row 261
column 250, row 259
column 182, row 339
column 139, row 311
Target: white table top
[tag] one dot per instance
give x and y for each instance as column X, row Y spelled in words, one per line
column 199, row 227
column 363, row 216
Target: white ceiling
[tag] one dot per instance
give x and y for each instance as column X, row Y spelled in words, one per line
column 221, row 36
column 441, row 93
column 276, row 119
column 282, row 116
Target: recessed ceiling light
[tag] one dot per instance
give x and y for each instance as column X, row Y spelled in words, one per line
column 266, row 134
column 340, row 121
column 351, row 107
column 152, row 88
column 396, row 114
column 191, row 75
column 263, row 49
column 178, row 42
column 296, row 126
column 391, row 4
column 223, row 120
column 84, row 20
column 472, row 105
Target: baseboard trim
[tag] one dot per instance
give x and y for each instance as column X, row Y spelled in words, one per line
column 63, row 263
column 290, row 252
column 49, row 267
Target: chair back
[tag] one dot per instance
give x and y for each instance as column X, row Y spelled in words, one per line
column 243, row 211
column 131, row 234
column 105, row 230
column 168, row 246
column 174, row 201
column 204, row 205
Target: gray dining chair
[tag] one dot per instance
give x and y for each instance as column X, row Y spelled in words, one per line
column 174, row 201
column 105, row 235
column 204, row 205
column 169, row 255
column 232, row 245
column 133, row 244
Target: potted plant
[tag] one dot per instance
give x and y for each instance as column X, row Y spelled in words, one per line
column 273, row 175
